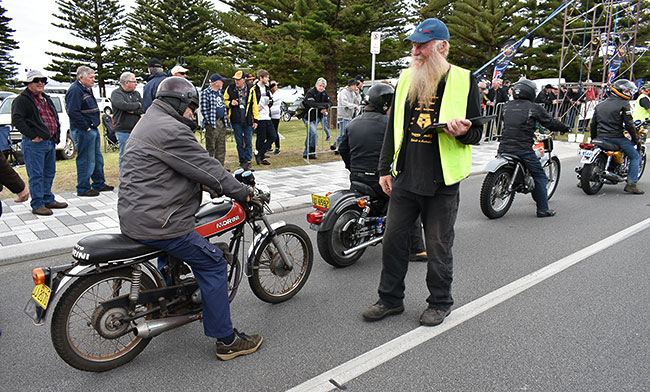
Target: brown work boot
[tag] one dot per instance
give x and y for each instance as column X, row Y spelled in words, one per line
column 631, row 187
column 42, row 211
column 57, row 204
column 242, row 345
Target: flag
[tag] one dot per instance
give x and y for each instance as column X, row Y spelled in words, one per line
column 507, row 53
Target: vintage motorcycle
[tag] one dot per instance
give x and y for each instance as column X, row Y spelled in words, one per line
column 112, row 299
column 604, row 163
column 508, row 175
column 347, row 222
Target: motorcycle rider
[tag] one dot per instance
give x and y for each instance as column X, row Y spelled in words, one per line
column 360, row 148
column 520, row 118
column 642, row 107
column 163, row 168
column 613, row 116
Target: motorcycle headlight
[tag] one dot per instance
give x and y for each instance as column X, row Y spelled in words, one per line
column 265, row 192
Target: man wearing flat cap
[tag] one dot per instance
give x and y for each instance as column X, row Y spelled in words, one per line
column 156, row 75
column 33, row 113
column 425, row 154
column 213, row 109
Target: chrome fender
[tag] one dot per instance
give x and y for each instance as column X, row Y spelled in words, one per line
column 259, row 238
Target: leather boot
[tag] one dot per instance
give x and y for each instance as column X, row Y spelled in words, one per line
column 631, row 187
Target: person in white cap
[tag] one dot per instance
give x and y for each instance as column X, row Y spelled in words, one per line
column 33, row 113
column 179, row 71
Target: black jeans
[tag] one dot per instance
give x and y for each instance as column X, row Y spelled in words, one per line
column 438, row 215
column 534, row 166
column 265, row 137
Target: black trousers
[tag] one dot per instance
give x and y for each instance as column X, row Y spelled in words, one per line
column 265, row 137
column 438, row 214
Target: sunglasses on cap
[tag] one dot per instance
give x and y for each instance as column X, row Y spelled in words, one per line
column 182, row 73
column 39, row 80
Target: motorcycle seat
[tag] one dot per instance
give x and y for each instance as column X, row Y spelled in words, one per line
column 607, row 146
column 363, row 188
column 508, row 155
column 102, row 248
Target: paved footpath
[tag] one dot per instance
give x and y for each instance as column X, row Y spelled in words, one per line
column 23, row 234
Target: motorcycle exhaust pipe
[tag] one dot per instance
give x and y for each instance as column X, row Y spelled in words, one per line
column 364, row 245
column 152, row 328
column 612, row 177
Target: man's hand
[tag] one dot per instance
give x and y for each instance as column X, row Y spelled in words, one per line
column 386, row 183
column 254, row 125
column 37, row 139
column 457, row 127
column 234, row 102
column 22, row 196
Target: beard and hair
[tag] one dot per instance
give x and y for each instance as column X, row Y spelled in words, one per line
column 426, row 73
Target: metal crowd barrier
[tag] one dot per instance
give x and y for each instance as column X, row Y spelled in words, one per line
column 333, row 130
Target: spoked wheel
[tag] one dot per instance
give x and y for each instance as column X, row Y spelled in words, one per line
column 495, row 197
column 271, row 281
column 643, row 162
column 590, row 179
column 552, row 171
column 343, row 235
column 90, row 337
column 286, row 116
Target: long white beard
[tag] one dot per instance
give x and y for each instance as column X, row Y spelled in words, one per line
column 426, row 74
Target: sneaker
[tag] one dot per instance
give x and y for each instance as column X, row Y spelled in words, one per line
column 107, row 188
column 264, row 162
column 433, row 316
column 42, row 211
column 91, row 192
column 631, row 187
column 545, row 214
column 313, row 156
column 378, row 311
column 242, row 345
column 422, row 256
column 277, row 151
column 332, row 147
column 57, row 204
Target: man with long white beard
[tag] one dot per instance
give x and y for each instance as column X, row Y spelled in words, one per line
column 426, row 153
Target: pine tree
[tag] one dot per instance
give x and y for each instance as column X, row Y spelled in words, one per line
column 7, row 65
column 97, row 21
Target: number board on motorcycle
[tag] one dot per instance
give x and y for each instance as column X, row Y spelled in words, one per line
column 587, row 154
column 41, row 295
column 320, row 202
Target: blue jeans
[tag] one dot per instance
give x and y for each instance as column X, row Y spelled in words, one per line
column 40, row 162
column 535, row 168
column 122, row 137
column 90, row 161
column 210, row 270
column 323, row 121
column 628, row 148
column 312, row 136
column 342, row 125
column 244, row 138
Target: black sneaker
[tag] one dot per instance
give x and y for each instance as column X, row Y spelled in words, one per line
column 91, row 192
column 107, row 188
column 242, row 345
column 545, row 214
column 378, row 311
column 433, row 316
column 277, row 151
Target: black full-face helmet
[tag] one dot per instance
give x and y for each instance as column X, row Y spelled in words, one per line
column 179, row 93
column 380, row 97
column 623, row 88
column 524, row 89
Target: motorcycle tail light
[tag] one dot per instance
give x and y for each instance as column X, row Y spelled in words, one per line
column 315, row 217
column 38, row 276
column 586, row 146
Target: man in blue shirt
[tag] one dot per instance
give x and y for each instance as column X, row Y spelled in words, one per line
column 84, row 119
column 213, row 109
column 156, row 75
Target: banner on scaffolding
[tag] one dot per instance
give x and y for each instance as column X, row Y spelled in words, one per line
column 506, row 54
column 615, row 62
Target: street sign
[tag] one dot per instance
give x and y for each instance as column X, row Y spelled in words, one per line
column 375, row 41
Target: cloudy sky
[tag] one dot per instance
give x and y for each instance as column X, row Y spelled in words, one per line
column 32, row 20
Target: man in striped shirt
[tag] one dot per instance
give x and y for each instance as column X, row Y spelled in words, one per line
column 213, row 109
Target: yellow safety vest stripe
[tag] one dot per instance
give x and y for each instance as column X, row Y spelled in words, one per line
column 640, row 113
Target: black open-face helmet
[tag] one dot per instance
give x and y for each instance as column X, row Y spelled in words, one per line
column 380, row 96
column 524, row 89
column 179, row 93
column 623, row 88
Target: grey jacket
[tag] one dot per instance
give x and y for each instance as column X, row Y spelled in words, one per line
column 127, row 109
column 163, row 168
column 348, row 101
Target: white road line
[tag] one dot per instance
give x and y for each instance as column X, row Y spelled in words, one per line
column 387, row 351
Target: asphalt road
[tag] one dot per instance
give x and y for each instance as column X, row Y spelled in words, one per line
column 584, row 328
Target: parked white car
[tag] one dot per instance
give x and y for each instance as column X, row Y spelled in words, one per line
column 65, row 149
column 104, row 105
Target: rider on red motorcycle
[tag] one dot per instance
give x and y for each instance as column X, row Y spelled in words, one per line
column 163, row 168
column 607, row 125
column 360, row 148
column 520, row 118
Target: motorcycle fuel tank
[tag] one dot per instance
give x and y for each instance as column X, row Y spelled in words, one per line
column 217, row 218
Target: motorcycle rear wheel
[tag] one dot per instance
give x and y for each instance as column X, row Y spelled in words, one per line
column 74, row 335
column 495, row 198
column 552, row 171
column 590, row 180
column 332, row 243
column 270, row 281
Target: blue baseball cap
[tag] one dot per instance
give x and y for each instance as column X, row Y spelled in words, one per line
column 431, row 28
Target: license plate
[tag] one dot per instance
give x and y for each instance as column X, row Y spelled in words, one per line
column 41, row 295
column 320, row 202
column 586, row 153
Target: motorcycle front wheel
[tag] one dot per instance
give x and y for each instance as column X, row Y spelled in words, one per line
column 271, row 281
column 590, row 180
column 552, row 171
column 87, row 336
column 495, row 197
column 342, row 236
column 643, row 162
